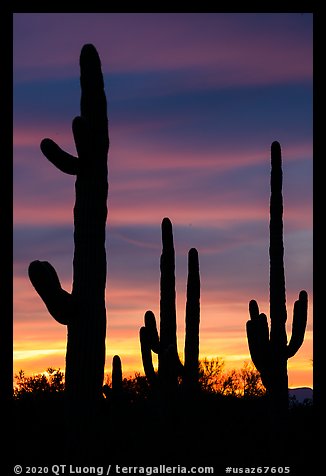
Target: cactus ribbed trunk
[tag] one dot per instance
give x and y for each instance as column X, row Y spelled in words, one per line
column 83, row 311
column 86, row 332
column 278, row 339
column 168, row 359
column 191, row 363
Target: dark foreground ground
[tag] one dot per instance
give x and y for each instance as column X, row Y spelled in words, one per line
column 213, row 431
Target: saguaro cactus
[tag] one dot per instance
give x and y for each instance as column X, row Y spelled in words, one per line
column 169, row 365
column 270, row 351
column 83, row 310
column 116, row 376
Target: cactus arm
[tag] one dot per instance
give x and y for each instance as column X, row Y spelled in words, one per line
column 65, row 162
column 147, row 356
column 299, row 323
column 258, row 339
column 192, row 320
column 151, row 328
column 46, row 282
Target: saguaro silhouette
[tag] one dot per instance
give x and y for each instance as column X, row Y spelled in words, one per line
column 169, row 365
column 83, row 310
column 270, row 351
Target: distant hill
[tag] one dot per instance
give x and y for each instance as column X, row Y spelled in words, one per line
column 301, row 393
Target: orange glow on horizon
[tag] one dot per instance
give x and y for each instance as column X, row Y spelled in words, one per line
column 35, row 362
column 42, row 344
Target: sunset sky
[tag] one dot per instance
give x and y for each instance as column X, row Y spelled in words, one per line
column 194, row 102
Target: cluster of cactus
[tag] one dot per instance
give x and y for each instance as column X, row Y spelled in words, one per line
column 270, row 350
column 83, row 310
column 170, row 368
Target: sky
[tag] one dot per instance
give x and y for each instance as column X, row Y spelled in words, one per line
column 194, row 102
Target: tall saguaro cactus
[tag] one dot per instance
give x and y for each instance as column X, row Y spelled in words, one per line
column 169, row 365
column 270, row 350
column 83, row 310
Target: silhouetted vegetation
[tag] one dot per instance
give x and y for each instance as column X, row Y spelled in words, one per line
column 83, row 310
column 244, row 382
column 48, row 383
column 170, row 368
column 269, row 350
